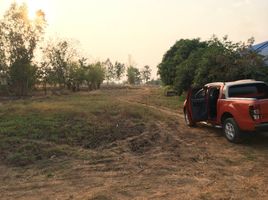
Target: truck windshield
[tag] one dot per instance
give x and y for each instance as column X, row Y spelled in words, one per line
column 256, row 90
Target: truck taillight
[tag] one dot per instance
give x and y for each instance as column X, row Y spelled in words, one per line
column 255, row 112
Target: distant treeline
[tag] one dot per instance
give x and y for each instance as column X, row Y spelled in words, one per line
column 194, row 63
column 26, row 61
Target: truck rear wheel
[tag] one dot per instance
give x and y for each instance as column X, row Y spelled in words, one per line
column 231, row 131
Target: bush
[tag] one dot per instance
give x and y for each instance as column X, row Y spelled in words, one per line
column 4, row 90
column 18, row 152
column 169, row 91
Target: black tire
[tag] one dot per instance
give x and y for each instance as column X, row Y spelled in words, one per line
column 231, row 131
column 187, row 119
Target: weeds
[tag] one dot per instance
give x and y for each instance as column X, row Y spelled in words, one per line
column 18, row 152
column 88, row 121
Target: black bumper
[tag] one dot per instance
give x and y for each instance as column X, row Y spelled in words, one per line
column 262, row 127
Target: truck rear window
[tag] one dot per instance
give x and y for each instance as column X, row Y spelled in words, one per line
column 257, row 90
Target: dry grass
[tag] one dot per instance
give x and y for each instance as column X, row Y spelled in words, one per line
column 121, row 144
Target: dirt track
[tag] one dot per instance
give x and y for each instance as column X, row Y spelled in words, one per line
column 171, row 161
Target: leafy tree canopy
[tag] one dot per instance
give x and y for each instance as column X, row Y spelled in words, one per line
column 19, row 36
column 146, row 73
column 191, row 62
column 133, row 75
column 177, row 54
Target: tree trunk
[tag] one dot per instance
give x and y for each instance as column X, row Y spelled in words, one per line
column 89, row 86
column 45, row 87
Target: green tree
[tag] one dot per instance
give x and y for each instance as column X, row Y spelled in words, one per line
column 213, row 61
column 133, row 75
column 146, row 73
column 3, row 66
column 59, row 56
column 94, row 76
column 46, row 75
column 120, row 69
column 109, row 71
column 185, row 72
column 177, row 54
column 224, row 60
column 19, row 38
column 76, row 76
column 23, row 77
column 248, row 64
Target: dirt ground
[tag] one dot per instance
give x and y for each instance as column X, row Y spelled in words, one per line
column 170, row 161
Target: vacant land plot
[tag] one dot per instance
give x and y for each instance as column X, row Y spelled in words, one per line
column 122, row 144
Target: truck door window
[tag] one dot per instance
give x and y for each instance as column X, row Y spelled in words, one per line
column 200, row 94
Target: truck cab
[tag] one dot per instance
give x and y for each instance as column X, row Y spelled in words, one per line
column 236, row 106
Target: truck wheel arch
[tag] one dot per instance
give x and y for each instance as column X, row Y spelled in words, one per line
column 225, row 116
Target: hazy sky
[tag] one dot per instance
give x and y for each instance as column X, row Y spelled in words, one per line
column 145, row 29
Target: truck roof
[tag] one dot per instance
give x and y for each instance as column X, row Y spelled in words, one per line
column 239, row 82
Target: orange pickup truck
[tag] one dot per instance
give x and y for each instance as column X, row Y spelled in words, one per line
column 237, row 107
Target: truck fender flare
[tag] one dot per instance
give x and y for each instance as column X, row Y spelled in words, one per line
column 225, row 116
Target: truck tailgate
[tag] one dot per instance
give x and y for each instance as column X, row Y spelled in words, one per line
column 264, row 109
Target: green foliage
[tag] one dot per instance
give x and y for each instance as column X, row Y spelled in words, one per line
column 157, row 82
column 198, row 63
column 109, row 70
column 3, row 66
column 228, row 61
column 58, row 57
column 113, row 71
column 19, row 37
column 146, row 73
column 62, row 67
column 133, row 75
column 18, row 152
column 120, row 69
column 22, row 78
column 94, row 75
column 20, row 34
column 76, row 76
column 168, row 89
column 37, row 131
column 177, row 54
column 185, row 72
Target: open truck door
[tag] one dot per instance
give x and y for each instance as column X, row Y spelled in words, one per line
column 196, row 106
